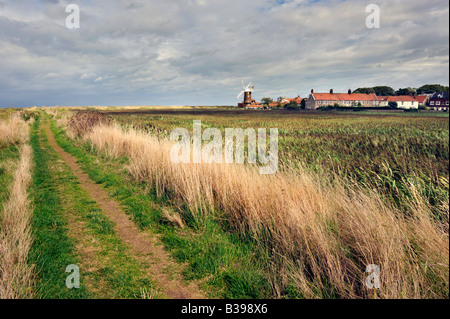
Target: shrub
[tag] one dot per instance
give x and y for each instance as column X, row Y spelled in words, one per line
column 84, row 121
column 393, row 105
column 292, row 106
column 26, row 115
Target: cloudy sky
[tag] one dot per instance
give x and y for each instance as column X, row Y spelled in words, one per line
column 197, row 52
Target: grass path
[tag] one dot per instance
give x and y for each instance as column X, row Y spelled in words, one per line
column 223, row 263
column 141, row 246
column 52, row 250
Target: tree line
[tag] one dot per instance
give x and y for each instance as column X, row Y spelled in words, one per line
column 388, row 91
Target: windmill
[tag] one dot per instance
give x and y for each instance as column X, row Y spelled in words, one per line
column 247, row 94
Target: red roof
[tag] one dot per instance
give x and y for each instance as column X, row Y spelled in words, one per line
column 404, row 98
column 345, row 97
column 297, row 99
column 421, row 98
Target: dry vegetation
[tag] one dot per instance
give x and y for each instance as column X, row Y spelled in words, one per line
column 13, row 130
column 16, row 276
column 319, row 231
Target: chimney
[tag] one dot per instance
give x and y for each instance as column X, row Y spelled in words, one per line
column 312, row 91
column 331, row 91
column 349, row 91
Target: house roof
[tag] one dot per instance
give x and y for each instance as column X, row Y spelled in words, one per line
column 297, row 99
column 440, row 95
column 403, row 98
column 421, row 98
column 345, row 96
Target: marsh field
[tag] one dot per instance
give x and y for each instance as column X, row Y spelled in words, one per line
column 353, row 190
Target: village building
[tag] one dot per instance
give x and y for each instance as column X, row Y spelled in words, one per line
column 285, row 100
column 317, row 100
column 423, row 99
column 439, row 101
column 404, row 101
column 383, row 101
column 273, row 104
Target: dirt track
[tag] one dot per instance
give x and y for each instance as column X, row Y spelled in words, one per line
column 142, row 246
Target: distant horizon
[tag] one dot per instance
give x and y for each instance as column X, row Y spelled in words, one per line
column 194, row 104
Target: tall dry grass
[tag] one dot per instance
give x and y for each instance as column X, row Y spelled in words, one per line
column 319, row 231
column 16, row 276
column 14, row 130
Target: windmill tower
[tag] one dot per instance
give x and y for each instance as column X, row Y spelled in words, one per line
column 247, row 94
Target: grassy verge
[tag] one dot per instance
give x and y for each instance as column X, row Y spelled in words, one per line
column 71, row 229
column 226, row 265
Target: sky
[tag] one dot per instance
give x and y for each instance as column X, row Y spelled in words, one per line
column 197, row 52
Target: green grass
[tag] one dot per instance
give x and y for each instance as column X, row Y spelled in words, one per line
column 110, row 269
column 226, row 266
column 52, row 249
column 114, row 270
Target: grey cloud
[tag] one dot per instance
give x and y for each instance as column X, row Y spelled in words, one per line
column 200, row 50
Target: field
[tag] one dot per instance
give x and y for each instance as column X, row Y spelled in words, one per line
column 353, row 189
column 380, row 149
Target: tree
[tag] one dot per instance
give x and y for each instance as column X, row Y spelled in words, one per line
column 303, row 104
column 405, row 91
column 364, row 90
column 383, row 90
column 292, row 106
column 431, row 88
column 266, row 100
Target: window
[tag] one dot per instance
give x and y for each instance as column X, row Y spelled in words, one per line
column 446, row 103
column 438, row 102
column 432, row 103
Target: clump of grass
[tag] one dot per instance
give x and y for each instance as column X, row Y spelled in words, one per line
column 173, row 217
column 16, row 275
column 14, row 130
column 320, row 231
